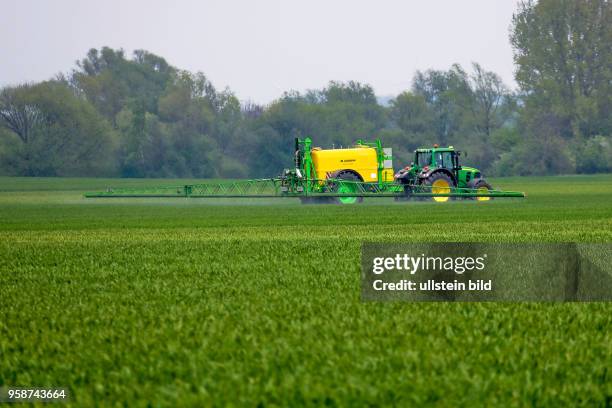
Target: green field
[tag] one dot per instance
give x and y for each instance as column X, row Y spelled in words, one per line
column 195, row 302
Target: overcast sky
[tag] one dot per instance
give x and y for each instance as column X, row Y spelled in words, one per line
column 260, row 48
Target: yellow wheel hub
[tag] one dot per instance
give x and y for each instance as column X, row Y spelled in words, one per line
column 481, row 190
column 440, row 186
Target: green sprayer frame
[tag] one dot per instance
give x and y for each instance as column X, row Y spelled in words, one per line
column 295, row 187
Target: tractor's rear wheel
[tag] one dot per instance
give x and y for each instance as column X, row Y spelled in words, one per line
column 349, row 187
column 440, row 183
column 482, row 186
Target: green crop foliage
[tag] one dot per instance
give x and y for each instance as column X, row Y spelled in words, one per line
column 191, row 302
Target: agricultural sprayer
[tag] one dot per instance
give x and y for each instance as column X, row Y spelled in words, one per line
column 346, row 176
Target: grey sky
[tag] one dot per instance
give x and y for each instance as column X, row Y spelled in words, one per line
column 262, row 48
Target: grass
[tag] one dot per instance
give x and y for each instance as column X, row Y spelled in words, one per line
column 244, row 302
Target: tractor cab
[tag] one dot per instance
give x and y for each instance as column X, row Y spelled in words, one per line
column 446, row 158
column 441, row 159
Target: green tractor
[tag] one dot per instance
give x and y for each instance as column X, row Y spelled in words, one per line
column 438, row 169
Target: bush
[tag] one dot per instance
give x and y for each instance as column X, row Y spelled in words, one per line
column 595, row 156
column 536, row 157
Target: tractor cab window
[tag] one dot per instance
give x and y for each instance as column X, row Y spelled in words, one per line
column 445, row 159
column 423, row 159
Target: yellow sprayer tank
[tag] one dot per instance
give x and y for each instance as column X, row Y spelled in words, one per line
column 360, row 159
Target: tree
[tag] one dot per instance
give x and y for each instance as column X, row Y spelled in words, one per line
column 443, row 92
column 110, row 81
column 415, row 120
column 54, row 132
column 337, row 115
column 456, row 108
column 488, row 106
column 564, row 63
column 491, row 101
column 18, row 114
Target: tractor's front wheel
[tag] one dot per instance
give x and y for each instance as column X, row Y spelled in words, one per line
column 481, row 186
column 440, row 183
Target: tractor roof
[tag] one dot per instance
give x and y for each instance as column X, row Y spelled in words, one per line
column 436, row 149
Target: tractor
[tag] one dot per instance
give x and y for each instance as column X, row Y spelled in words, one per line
column 439, row 170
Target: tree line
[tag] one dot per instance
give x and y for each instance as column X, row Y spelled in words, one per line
column 138, row 116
